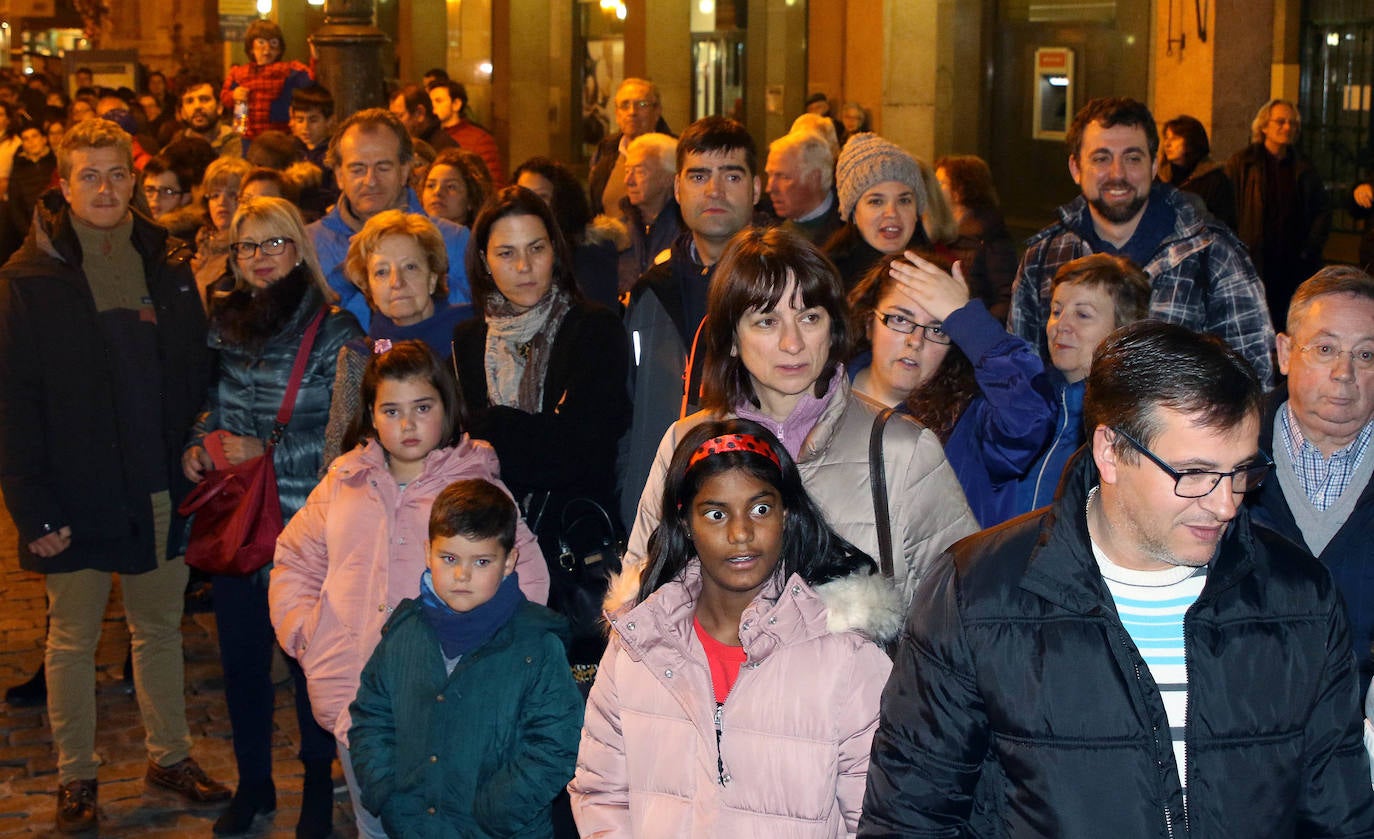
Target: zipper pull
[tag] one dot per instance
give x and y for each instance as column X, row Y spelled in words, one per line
column 720, row 758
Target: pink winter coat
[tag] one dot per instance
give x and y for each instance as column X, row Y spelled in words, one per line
column 795, row 730
column 355, row 551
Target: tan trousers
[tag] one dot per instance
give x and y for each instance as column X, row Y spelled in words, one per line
column 153, row 604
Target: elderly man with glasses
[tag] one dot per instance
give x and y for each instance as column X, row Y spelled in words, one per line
column 1318, row 429
column 638, row 111
column 1137, row 659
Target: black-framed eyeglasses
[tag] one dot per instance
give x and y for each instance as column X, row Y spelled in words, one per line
column 1196, row 483
column 935, row 333
column 162, row 192
column 276, row 246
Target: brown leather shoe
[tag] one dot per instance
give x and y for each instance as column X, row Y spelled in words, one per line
column 76, row 807
column 187, row 779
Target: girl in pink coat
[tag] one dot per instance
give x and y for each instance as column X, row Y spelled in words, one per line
column 357, row 547
column 739, row 693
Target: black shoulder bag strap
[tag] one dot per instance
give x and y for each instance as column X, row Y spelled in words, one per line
column 877, row 479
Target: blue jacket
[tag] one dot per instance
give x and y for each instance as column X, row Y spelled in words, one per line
column 1036, row 489
column 476, row 753
column 331, row 235
column 1006, row 424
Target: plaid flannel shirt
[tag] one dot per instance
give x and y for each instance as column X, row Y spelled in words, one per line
column 1201, row 277
column 269, row 98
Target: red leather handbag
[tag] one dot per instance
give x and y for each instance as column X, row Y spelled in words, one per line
column 237, row 513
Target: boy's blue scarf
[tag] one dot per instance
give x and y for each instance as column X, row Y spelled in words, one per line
column 462, row 632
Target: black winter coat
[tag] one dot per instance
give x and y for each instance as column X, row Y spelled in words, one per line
column 569, row 448
column 60, row 458
column 1019, row 706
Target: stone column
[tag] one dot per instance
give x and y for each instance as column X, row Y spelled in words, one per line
column 349, row 57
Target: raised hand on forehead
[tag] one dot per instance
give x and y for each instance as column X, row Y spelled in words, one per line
column 929, row 286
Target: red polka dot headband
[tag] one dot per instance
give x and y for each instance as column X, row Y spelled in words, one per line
column 734, row 443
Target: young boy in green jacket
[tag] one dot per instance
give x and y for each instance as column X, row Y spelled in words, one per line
column 467, row 719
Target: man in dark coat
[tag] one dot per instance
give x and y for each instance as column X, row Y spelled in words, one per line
column 716, row 188
column 1318, row 429
column 1282, row 210
column 413, row 107
column 638, row 111
column 1137, row 660
column 103, row 366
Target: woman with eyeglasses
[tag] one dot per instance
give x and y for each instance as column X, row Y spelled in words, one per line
column 221, row 197
column 774, row 341
column 274, row 290
column 943, row 359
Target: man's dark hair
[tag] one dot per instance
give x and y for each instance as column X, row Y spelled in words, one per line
column 475, row 509
column 1112, row 111
column 314, row 97
column 274, row 150
column 191, row 81
column 717, row 134
column 372, row 119
column 188, row 157
column 435, row 74
column 456, row 91
column 414, row 97
column 1152, row 364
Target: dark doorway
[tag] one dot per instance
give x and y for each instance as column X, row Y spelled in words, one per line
column 1109, row 41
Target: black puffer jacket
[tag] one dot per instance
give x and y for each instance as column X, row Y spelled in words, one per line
column 1019, row 706
column 248, row 394
column 60, row 457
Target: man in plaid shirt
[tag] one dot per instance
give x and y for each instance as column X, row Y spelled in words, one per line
column 1201, row 276
column 265, row 82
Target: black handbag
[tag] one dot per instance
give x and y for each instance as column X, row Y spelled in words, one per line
column 589, row 554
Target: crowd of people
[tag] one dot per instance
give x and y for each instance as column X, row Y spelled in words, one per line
column 920, row 538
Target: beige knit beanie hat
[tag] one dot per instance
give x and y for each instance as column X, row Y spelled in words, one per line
column 868, row 160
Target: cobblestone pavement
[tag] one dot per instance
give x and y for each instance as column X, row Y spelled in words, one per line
column 28, row 763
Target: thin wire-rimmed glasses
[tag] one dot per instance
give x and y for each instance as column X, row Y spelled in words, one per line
column 1196, row 483
column 901, row 323
column 276, row 246
column 1328, row 354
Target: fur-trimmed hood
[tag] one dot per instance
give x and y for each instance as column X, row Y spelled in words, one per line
column 604, row 228
column 862, row 601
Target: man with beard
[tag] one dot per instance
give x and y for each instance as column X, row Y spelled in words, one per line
column 1139, row 659
column 103, row 365
column 415, row 109
column 199, row 114
column 1199, row 272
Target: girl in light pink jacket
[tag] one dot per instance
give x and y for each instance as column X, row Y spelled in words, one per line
column 739, row 693
column 357, row 547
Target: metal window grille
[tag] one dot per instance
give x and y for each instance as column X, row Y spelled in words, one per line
column 1337, row 92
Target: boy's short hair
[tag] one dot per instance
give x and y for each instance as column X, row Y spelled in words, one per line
column 314, row 97
column 475, row 509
